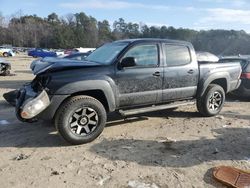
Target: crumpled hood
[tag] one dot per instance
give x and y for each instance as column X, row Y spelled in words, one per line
column 52, row 64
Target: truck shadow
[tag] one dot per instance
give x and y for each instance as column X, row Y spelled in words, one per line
column 229, row 144
column 25, row 135
column 44, row 134
column 234, row 98
column 116, row 119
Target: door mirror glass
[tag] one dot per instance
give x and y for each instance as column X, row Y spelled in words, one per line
column 128, row 62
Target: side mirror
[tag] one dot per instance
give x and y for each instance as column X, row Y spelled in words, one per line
column 128, row 62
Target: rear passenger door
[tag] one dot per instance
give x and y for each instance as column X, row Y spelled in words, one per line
column 180, row 72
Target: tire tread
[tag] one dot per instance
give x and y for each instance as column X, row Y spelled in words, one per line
column 62, row 109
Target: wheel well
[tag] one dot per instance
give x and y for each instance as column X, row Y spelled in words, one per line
column 97, row 94
column 221, row 82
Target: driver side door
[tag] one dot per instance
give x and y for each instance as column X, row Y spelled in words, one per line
column 140, row 84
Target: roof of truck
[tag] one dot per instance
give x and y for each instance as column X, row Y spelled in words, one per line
column 155, row 40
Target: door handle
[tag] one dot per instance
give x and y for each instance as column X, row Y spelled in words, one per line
column 157, row 74
column 191, row 71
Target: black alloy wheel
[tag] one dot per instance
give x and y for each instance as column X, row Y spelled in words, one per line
column 83, row 121
column 80, row 119
column 212, row 101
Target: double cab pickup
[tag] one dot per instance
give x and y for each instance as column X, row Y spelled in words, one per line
column 127, row 76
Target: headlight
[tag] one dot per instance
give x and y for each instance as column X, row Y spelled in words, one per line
column 35, row 106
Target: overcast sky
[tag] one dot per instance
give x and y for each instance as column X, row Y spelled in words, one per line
column 194, row 14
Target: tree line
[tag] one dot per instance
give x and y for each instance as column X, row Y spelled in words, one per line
column 80, row 30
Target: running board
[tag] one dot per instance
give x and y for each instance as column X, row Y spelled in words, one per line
column 154, row 108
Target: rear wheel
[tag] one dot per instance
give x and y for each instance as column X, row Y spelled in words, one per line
column 212, row 101
column 80, row 119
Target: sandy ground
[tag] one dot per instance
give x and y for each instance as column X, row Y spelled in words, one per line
column 161, row 149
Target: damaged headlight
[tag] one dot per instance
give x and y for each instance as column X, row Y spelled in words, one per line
column 34, row 106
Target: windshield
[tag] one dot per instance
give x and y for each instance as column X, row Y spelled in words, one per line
column 106, row 53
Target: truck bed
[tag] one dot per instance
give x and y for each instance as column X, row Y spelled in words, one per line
column 212, row 70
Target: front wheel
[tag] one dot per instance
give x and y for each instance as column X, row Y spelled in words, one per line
column 212, row 101
column 80, row 119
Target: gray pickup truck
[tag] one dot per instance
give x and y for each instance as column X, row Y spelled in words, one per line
column 128, row 77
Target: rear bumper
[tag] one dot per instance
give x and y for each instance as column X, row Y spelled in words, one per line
column 234, row 85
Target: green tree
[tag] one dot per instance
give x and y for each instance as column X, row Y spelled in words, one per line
column 53, row 17
column 104, row 32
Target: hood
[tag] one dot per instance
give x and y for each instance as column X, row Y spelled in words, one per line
column 51, row 64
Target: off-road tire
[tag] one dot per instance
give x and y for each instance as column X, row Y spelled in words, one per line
column 69, row 108
column 203, row 103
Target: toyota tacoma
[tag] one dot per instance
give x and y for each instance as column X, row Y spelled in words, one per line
column 127, row 76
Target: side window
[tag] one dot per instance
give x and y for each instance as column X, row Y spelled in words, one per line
column 145, row 55
column 177, row 55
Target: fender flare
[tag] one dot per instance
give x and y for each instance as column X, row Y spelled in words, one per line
column 215, row 76
column 90, row 85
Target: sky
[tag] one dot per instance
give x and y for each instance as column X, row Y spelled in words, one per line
column 193, row 14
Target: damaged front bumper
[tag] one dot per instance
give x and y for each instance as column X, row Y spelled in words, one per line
column 29, row 103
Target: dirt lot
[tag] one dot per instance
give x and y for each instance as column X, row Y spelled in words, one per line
column 161, row 149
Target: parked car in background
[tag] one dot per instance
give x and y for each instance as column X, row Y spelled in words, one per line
column 84, row 50
column 69, row 51
column 5, row 67
column 78, row 50
column 60, row 53
column 244, row 89
column 78, row 56
column 38, row 52
column 6, row 52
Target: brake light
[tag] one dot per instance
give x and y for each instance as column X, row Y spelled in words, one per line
column 245, row 75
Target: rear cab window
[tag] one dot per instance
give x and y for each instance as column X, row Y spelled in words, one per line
column 176, row 55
